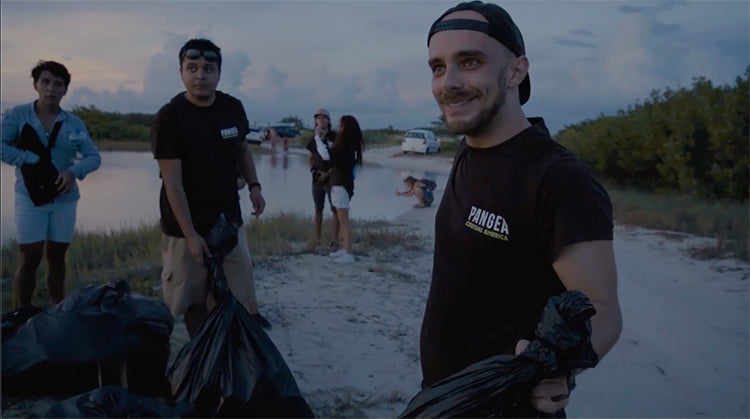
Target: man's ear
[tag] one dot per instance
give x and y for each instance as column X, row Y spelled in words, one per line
column 519, row 68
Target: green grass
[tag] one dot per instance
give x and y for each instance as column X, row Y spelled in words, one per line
column 134, row 254
column 725, row 221
column 95, row 258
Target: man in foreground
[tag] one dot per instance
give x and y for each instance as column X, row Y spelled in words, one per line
column 521, row 218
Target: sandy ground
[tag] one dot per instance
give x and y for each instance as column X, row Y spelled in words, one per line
column 350, row 333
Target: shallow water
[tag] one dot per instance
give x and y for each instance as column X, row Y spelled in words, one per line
column 124, row 192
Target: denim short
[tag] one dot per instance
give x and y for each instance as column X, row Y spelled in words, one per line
column 53, row 221
column 339, row 197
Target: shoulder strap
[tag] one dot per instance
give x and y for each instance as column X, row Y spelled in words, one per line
column 53, row 134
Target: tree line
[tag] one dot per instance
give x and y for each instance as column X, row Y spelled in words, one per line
column 693, row 141
column 115, row 126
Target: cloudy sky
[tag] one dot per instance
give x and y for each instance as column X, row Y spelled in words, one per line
column 365, row 58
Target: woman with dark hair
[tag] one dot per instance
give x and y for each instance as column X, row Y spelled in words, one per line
column 346, row 153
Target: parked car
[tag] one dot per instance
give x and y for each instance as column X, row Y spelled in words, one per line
column 420, row 141
column 254, row 136
column 286, row 131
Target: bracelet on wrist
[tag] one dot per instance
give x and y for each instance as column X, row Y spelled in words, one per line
column 252, row 185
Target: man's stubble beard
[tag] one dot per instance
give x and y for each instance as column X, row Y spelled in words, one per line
column 479, row 123
column 203, row 98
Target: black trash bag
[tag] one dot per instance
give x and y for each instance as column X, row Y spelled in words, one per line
column 39, row 178
column 13, row 320
column 96, row 330
column 117, row 402
column 500, row 386
column 231, row 368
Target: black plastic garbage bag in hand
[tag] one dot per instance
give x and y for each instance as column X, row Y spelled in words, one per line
column 63, row 349
column 231, row 368
column 500, row 385
column 117, row 402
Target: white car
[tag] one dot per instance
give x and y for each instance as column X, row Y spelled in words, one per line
column 420, row 141
column 253, row 136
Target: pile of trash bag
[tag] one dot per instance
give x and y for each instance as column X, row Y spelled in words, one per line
column 231, row 368
column 13, row 320
column 96, row 335
column 103, row 335
column 500, row 386
column 117, row 402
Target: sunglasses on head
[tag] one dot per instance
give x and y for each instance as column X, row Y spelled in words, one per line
column 194, row 54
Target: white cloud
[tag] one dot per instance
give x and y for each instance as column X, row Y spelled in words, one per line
column 367, row 58
column 626, row 59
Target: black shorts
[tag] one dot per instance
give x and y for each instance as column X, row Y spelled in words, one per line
column 319, row 193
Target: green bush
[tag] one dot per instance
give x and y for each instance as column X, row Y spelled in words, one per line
column 692, row 141
column 382, row 137
column 115, row 126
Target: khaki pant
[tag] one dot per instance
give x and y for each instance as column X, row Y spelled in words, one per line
column 183, row 279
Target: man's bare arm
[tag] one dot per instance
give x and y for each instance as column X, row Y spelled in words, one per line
column 590, row 267
column 247, row 168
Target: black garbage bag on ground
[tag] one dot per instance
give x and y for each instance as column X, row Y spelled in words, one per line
column 500, row 386
column 231, row 368
column 13, row 320
column 96, row 330
column 117, row 402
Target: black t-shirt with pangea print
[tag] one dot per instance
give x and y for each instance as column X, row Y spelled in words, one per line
column 506, row 213
column 207, row 141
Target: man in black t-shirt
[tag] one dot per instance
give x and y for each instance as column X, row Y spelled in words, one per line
column 198, row 140
column 319, row 161
column 521, row 219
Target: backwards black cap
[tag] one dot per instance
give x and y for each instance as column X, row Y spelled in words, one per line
column 499, row 25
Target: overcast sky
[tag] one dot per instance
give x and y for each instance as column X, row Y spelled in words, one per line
column 365, row 58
